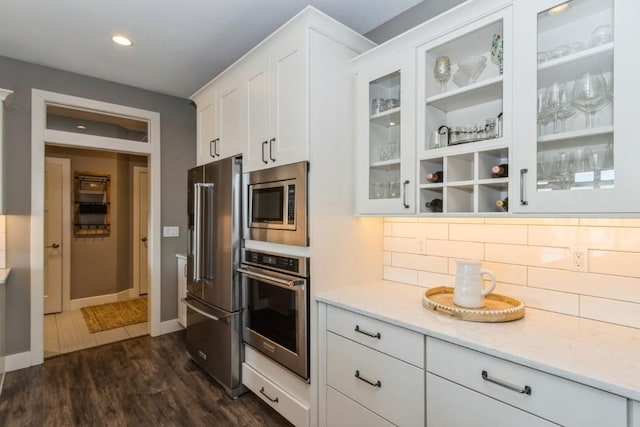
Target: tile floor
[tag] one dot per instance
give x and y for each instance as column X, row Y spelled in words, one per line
column 66, row 332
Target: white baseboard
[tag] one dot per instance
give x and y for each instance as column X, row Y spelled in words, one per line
column 77, row 304
column 13, row 362
column 169, row 326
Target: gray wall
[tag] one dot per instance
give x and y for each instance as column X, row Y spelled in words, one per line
column 408, row 19
column 178, row 127
column 102, row 265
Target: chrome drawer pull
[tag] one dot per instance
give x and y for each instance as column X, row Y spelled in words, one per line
column 369, row 334
column 376, row 384
column 267, row 396
column 525, row 390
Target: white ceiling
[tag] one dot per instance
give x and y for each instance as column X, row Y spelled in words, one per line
column 179, row 45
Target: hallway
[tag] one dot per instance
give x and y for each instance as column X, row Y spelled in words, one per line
column 67, row 331
column 142, row 381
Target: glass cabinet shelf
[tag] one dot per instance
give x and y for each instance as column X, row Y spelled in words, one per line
column 583, row 133
column 476, row 93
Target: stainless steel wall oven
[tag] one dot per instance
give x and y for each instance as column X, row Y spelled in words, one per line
column 275, row 307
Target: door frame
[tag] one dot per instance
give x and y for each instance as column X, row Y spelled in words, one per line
column 66, row 229
column 136, row 229
column 41, row 135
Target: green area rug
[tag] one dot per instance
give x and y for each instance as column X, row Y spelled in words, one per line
column 115, row 314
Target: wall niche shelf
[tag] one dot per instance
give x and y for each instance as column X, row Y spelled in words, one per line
column 91, row 205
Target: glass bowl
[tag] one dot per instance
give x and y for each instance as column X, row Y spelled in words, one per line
column 460, row 78
column 601, row 35
column 473, row 66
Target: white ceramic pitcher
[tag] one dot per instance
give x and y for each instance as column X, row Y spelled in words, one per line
column 469, row 291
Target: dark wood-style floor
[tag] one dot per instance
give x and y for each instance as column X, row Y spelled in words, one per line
column 142, row 381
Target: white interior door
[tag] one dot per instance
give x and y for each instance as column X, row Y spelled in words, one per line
column 140, row 244
column 53, row 249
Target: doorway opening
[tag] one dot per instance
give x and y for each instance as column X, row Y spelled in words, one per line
column 95, row 248
column 142, row 138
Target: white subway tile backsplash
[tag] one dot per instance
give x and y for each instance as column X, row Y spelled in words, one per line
column 398, row 244
column 617, row 263
column 606, row 310
column 527, row 255
column 598, row 285
column 3, row 241
column 530, row 257
column 402, row 275
column 559, row 302
column 430, row 280
column 516, row 234
column 420, row 262
column 386, row 258
column 386, row 230
column 463, row 250
column 3, row 259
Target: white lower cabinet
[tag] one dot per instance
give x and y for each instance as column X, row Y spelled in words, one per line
column 371, row 372
column 451, row 405
column 275, row 396
column 342, row 411
column 558, row 400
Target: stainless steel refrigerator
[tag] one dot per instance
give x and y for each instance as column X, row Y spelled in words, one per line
column 214, row 338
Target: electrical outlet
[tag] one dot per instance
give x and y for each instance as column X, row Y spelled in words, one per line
column 422, row 246
column 579, row 258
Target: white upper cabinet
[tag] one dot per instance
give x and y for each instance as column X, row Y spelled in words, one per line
column 276, row 84
column 577, row 139
column 463, row 116
column 385, row 136
column 220, row 120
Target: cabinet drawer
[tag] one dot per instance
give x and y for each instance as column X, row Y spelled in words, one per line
column 449, row 404
column 382, row 336
column 274, row 396
column 562, row 401
column 342, row 411
column 387, row 386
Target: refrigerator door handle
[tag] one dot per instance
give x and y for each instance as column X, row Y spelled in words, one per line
column 187, row 302
column 198, row 190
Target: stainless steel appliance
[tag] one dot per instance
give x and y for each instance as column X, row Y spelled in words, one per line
column 213, row 285
column 275, row 307
column 276, row 208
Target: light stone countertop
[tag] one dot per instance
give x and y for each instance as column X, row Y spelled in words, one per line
column 4, row 275
column 595, row 353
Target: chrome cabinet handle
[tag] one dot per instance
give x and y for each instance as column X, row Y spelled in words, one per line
column 523, row 202
column 211, row 151
column 271, row 141
column 369, row 334
column 263, row 159
column 404, row 194
column 371, row 383
column 262, row 392
column 525, row 390
column 215, row 147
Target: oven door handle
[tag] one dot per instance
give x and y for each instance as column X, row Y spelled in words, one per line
column 187, row 302
column 287, row 284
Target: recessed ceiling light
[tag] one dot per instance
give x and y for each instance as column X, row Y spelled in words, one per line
column 561, row 8
column 83, row 127
column 121, row 40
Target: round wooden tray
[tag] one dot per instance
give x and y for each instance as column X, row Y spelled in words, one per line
column 498, row 308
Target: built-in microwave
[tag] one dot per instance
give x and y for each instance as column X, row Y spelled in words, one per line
column 276, row 205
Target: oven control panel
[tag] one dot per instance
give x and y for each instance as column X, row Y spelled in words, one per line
column 291, row 264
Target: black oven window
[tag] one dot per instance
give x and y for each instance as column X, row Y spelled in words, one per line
column 266, row 204
column 272, row 313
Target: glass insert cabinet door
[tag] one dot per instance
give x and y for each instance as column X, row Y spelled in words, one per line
column 577, row 145
column 385, row 129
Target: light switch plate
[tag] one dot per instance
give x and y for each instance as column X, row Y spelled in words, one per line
column 171, row 231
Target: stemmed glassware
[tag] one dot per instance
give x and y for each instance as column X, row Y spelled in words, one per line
column 558, row 105
column 442, row 71
column 590, row 94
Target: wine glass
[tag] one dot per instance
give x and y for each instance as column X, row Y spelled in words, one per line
column 442, row 71
column 590, row 94
column 558, row 104
column 543, row 115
